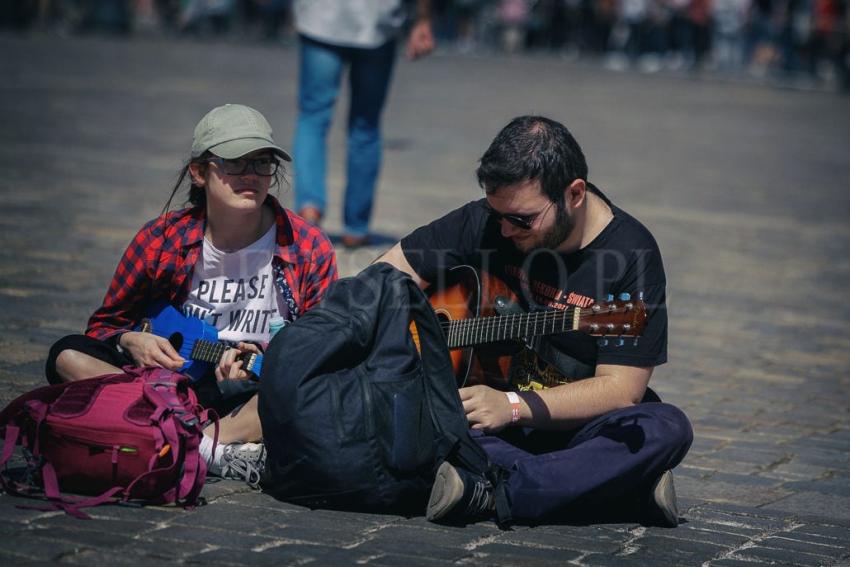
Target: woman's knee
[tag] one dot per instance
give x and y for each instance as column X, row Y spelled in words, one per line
column 60, row 357
column 71, row 364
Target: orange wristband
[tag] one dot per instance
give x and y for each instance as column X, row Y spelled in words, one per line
column 513, row 398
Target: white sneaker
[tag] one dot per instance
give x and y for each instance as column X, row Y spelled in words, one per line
column 241, row 461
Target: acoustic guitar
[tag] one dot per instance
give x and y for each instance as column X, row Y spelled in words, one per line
column 489, row 335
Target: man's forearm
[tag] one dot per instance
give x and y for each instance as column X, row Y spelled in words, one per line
column 571, row 405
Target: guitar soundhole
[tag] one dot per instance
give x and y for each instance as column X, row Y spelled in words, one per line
column 176, row 341
column 442, row 316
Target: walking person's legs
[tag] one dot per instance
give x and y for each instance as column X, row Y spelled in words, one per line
column 371, row 72
column 320, row 66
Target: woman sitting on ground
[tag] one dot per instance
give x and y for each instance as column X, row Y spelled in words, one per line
column 235, row 258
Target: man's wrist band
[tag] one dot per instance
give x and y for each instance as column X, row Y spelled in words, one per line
column 513, row 398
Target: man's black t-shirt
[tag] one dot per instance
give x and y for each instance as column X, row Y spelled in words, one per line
column 623, row 258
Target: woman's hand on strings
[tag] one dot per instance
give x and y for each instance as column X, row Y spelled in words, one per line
column 230, row 366
column 148, row 349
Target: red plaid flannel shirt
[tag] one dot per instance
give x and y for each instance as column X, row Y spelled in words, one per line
column 159, row 261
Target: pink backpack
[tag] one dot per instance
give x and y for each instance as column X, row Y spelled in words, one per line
column 118, row 437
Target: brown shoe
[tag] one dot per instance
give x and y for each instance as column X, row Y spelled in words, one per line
column 311, row 215
column 350, row 241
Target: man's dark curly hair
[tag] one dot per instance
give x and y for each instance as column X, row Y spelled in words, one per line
column 532, row 148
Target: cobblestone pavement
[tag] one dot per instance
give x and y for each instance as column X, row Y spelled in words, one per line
column 746, row 189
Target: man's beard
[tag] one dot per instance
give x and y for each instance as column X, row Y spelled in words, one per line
column 551, row 239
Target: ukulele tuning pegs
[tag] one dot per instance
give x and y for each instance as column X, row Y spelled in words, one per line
column 625, row 296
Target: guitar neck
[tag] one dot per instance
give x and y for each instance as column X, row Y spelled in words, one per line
column 208, row 351
column 479, row 330
column 212, row 351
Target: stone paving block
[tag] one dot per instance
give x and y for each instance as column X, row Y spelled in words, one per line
column 794, row 542
column 705, row 445
column 742, row 489
column 830, row 532
column 738, row 519
column 104, row 523
column 212, row 516
column 710, row 462
column 732, row 563
column 215, row 489
column 393, row 560
column 782, row 557
column 42, row 547
column 656, row 543
column 796, row 470
column 631, row 560
column 343, row 535
column 283, row 554
column 814, row 503
column 153, row 544
column 12, row 558
column 837, row 484
column 200, row 535
column 705, row 532
column 435, row 550
column 257, row 499
column 565, row 538
column 503, row 554
column 111, row 557
column 110, row 537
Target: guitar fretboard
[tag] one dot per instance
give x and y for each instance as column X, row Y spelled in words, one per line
column 208, row 351
column 469, row 332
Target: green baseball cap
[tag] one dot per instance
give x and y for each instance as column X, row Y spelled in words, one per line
column 233, row 130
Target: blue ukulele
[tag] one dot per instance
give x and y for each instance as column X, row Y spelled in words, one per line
column 195, row 340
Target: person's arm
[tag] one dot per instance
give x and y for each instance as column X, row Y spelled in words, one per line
column 123, row 306
column 563, row 407
column 421, row 40
column 621, row 376
column 395, row 257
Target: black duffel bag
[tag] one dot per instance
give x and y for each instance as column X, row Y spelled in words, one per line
column 353, row 416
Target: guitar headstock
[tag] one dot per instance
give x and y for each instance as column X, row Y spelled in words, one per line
column 624, row 317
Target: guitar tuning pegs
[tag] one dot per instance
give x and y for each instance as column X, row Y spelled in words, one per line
column 635, row 343
column 640, row 296
column 625, row 296
column 602, row 342
column 609, row 297
column 619, row 342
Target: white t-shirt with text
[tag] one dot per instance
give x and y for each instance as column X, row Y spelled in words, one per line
column 235, row 291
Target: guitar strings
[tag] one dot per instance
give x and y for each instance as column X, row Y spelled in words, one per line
column 502, row 327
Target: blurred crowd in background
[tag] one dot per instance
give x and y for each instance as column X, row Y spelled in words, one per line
column 793, row 38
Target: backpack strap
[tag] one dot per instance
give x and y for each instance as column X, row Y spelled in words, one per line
column 182, row 433
column 445, row 404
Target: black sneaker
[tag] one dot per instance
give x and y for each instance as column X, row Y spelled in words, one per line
column 459, row 495
column 660, row 507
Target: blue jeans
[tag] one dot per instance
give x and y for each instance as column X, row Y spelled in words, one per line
column 554, row 475
column 321, row 66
